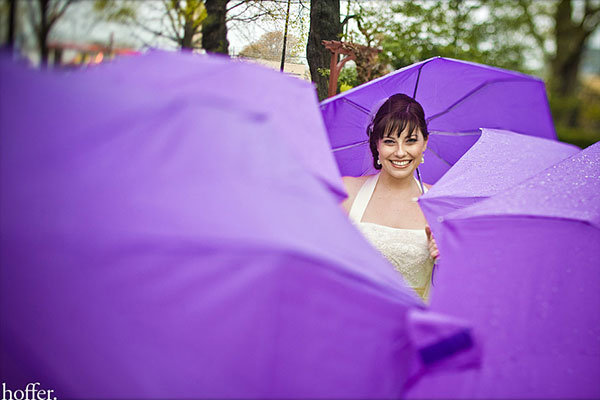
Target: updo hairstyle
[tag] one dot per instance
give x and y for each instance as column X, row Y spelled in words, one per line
column 396, row 114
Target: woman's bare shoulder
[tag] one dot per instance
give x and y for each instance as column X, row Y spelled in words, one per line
column 427, row 185
column 352, row 184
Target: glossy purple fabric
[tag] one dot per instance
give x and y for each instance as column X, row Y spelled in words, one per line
column 162, row 237
column 496, row 162
column 523, row 266
column 458, row 97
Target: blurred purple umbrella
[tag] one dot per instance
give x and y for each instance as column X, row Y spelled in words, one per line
column 458, row 97
column 163, row 239
column 523, row 266
column 497, row 161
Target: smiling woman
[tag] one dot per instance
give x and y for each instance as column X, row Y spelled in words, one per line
column 383, row 205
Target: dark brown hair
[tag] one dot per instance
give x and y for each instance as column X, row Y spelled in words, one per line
column 399, row 112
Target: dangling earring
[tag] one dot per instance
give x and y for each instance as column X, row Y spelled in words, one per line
column 378, row 162
column 422, row 159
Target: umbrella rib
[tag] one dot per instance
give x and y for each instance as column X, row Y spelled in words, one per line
column 438, row 156
column 358, row 106
column 469, row 94
column 349, row 146
column 465, row 133
column 419, row 75
column 417, row 82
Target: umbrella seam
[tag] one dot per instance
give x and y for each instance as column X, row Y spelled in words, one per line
column 419, row 75
column 472, row 92
column 349, row 146
column 465, row 133
column 520, row 215
column 358, row 106
column 440, row 157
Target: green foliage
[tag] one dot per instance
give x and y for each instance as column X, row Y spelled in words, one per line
column 324, row 72
column 492, row 32
column 348, row 77
column 577, row 136
column 111, row 10
column 577, row 117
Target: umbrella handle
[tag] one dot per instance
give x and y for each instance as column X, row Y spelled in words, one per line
column 420, row 181
column 435, row 263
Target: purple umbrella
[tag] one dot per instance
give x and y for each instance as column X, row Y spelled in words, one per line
column 458, row 98
column 523, row 266
column 496, row 162
column 257, row 88
column 163, row 242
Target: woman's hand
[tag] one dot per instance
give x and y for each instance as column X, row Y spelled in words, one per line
column 433, row 250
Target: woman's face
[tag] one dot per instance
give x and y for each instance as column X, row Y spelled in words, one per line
column 401, row 155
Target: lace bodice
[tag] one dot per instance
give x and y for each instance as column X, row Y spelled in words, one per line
column 405, row 249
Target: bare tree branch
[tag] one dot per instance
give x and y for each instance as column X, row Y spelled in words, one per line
column 348, row 18
column 31, row 15
column 238, row 4
column 156, row 33
column 57, row 14
column 591, row 17
column 174, row 26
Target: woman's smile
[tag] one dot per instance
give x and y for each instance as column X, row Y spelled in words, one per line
column 401, row 164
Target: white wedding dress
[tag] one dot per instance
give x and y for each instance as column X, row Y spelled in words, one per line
column 406, row 249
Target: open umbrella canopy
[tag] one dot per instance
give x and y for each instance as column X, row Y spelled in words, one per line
column 231, row 84
column 523, row 266
column 163, row 242
column 458, row 97
column 497, row 161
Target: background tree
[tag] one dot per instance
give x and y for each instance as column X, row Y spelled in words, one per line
column 43, row 15
column 409, row 32
column 11, row 23
column 214, row 29
column 573, row 23
column 270, row 45
column 324, row 25
column 186, row 21
column 179, row 21
column 191, row 24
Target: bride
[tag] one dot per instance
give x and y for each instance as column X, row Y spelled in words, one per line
column 383, row 206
